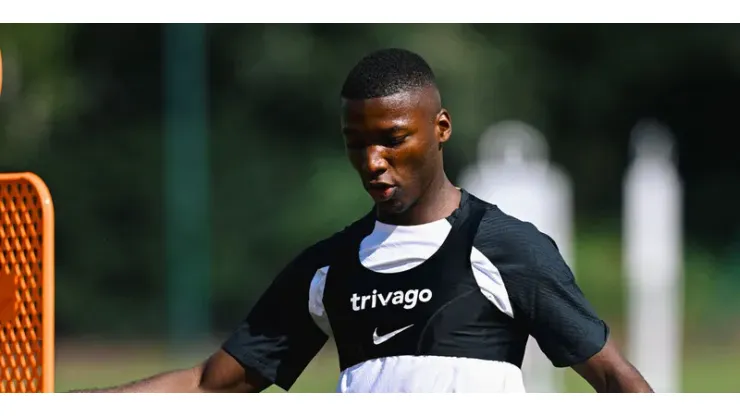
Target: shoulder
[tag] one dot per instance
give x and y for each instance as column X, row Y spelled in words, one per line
column 297, row 276
column 509, row 241
column 321, row 253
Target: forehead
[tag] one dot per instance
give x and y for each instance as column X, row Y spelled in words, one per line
column 395, row 110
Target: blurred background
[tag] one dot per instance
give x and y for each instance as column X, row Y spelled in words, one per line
column 189, row 163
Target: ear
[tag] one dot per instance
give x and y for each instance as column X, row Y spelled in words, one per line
column 443, row 126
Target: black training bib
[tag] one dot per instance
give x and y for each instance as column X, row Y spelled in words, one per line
column 435, row 308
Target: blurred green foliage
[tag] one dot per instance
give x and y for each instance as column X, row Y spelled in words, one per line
column 82, row 106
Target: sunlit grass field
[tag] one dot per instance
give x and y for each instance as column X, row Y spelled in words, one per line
column 707, row 370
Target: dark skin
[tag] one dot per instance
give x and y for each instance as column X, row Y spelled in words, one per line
column 397, row 140
column 395, row 144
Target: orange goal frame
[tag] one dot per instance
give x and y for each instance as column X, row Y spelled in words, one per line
column 26, row 284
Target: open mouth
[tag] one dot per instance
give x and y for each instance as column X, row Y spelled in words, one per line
column 381, row 191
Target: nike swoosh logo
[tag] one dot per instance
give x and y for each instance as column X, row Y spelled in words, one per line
column 377, row 340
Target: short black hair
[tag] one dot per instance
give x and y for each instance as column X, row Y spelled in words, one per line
column 386, row 72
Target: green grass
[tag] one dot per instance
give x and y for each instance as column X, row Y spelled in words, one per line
column 708, row 370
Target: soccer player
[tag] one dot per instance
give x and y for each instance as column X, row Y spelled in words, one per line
column 434, row 290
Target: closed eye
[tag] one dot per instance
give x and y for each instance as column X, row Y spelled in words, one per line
column 397, row 140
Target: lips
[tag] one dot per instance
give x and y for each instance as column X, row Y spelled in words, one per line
column 381, row 192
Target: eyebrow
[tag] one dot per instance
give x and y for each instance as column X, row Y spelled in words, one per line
column 389, row 130
column 394, row 129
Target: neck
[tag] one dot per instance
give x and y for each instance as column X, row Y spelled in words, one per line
column 440, row 199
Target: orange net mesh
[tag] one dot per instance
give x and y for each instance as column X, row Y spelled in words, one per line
column 26, row 285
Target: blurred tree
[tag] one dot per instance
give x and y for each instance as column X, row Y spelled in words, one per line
column 82, row 106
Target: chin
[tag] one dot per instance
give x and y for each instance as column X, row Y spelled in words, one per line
column 392, row 207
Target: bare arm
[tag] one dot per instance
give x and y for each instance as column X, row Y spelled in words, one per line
column 220, row 373
column 609, row 372
column 272, row 345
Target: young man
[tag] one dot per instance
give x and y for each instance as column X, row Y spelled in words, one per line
column 432, row 291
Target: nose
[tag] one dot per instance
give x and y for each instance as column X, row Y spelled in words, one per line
column 374, row 162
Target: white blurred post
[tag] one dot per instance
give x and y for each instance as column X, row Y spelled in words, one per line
column 515, row 174
column 653, row 257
